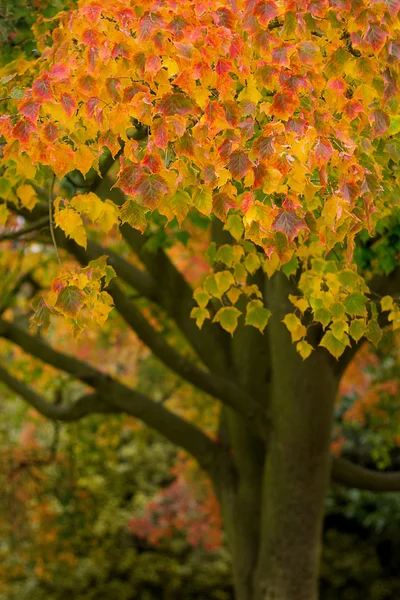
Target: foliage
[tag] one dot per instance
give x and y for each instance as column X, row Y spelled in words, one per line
column 244, row 124
column 63, row 532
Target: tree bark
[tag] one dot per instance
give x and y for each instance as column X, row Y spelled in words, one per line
column 275, row 527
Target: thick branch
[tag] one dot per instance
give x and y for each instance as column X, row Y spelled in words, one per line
column 223, row 389
column 136, row 404
column 175, row 295
column 349, row 474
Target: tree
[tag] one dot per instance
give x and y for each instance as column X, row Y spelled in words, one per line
column 268, row 132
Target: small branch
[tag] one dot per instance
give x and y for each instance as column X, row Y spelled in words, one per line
column 35, row 226
column 51, row 192
column 91, row 403
column 346, row 473
column 110, row 396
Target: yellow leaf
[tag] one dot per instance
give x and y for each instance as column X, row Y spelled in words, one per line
column 71, row 223
column 27, row 195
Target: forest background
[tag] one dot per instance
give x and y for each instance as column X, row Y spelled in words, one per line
column 107, row 508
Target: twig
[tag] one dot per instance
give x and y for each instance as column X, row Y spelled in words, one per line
column 51, row 219
column 14, row 235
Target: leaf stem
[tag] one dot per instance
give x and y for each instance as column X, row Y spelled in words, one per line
column 51, row 192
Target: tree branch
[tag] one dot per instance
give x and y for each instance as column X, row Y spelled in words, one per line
column 119, row 396
column 35, row 226
column 229, row 393
column 175, row 295
column 91, row 403
column 347, row 473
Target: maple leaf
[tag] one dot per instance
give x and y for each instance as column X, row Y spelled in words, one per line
column 68, row 103
column 239, row 164
column 160, row 133
column 128, row 177
column 265, row 11
column 283, row 105
column 381, row 122
column 41, row 88
column 263, row 147
column 23, row 130
column 176, row 104
column 70, row 300
column 30, row 109
column 134, row 214
column 323, row 151
column 375, row 36
column 289, row 223
column 151, row 188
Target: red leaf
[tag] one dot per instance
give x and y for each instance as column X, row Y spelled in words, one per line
column 151, row 189
column 160, row 133
column 223, row 66
column 225, row 149
column 112, row 85
column 263, row 147
column 92, row 13
column 59, row 72
column 260, row 172
column 153, row 64
column 68, row 103
column 153, row 162
column 233, row 112
column 91, row 37
column 288, row 223
column 323, row 152
column 30, row 109
column 283, row 105
column 280, row 55
column 23, row 130
column 381, row 122
column 247, row 128
column 375, row 37
column 239, row 164
column 128, row 178
column 176, row 104
column 265, row 11
column 50, row 132
column 131, row 91
column 42, row 88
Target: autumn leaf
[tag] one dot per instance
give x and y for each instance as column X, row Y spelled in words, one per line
column 289, row 223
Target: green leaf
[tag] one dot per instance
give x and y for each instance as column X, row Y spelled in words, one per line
column 200, row 314
column 374, row 332
column 17, row 93
column 225, row 255
column 358, row 327
column 338, row 310
column 201, row 297
column 348, row 278
column 42, row 314
column 252, row 262
column 355, row 304
column 257, row 315
column 386, row 303
column 234, row 225
column 134, row 214
column 70, row 300
column 304, row 349
column 228, row 318
column 202, row 199
column 339, row 329
column 290, row 267
column 295, row 326
column 323, row 316
column 332, row 344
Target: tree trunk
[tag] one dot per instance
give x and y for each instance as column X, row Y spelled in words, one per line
column 274, row 528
